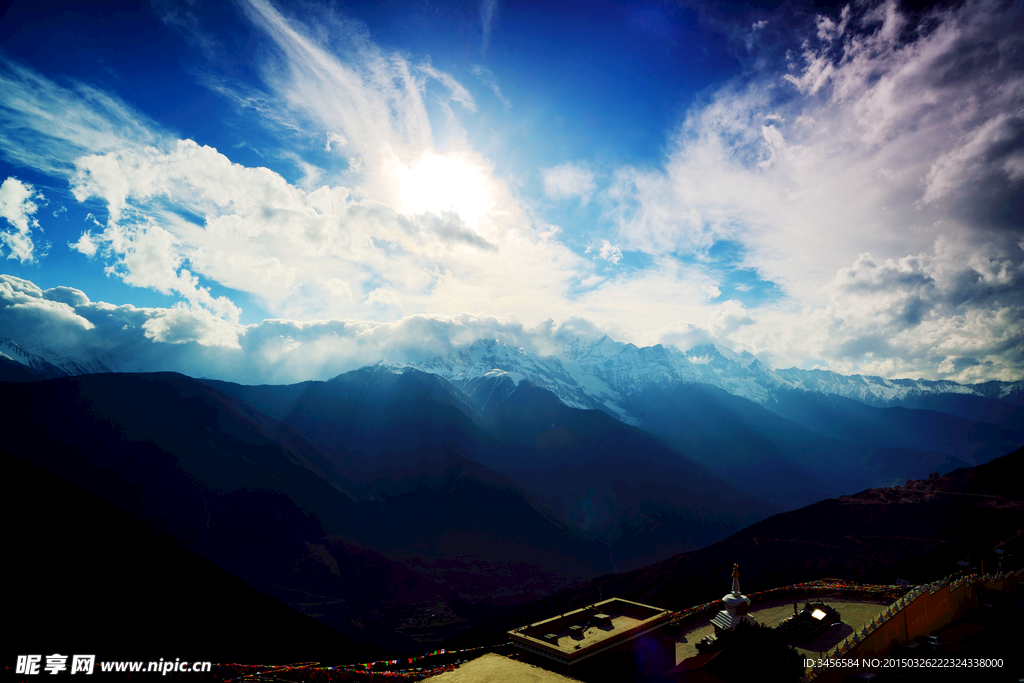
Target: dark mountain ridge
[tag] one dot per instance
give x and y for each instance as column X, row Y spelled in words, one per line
column 373, row 506
column 205, row 468
column 638, row 496
column 915, row 532
column 400, row 508
column 635, row 491
column 137, row 592
column 918, row 428
column 760, row 451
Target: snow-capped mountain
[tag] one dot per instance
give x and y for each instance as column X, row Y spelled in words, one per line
column 879, row 391
column 492, row 358
column 603, row 372
column 50, row 367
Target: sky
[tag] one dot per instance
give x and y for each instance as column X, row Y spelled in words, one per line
column 267, row 192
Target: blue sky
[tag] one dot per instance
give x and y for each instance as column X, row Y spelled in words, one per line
column 825, row 186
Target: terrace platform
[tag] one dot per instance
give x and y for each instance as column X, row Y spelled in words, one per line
column 855, row 614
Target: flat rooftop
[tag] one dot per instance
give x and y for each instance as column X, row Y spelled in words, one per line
column 578, row 634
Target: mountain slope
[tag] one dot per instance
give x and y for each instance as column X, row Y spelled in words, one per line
column 122, row 567
column 637, row 495
column 763, row 453
column 255, row 497
column 915, row 532
column 856, row 423
column 13, row 371
column 48, row 365
column 195, row 464
column 822, row 446
column 632, row 490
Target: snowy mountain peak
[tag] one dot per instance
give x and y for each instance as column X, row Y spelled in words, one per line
column 879, row 391
column 50, row 367
column 601, row 373
column 384, row 364
column 705, row 354
column 494, row 358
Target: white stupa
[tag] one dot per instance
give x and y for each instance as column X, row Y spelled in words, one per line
column 736, row 606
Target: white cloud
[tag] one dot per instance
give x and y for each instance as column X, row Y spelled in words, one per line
column 35, row 314
column 992, row 150
column 728, row 317
column 262, row 235
column 434, row 227
column 610, row 252
column 958, row 301
column 374, row 99
column 63, row 322
column 334, row 139
column 18, row 209
column 712, row 291
column 568, row 180
column 385, row 297
column 85, row 245
column 183, row 324
column 905, row 142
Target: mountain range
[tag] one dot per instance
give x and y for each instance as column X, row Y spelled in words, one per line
column 401, row 504
column 603, row 372
column 791, row 437
column 379, row 502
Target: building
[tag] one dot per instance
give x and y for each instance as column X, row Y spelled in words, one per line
column 736, row 607
column 611, row 640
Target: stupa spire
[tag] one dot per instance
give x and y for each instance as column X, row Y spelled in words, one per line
column 736, row 606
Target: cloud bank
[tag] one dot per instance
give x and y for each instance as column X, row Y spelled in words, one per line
column 64, row 324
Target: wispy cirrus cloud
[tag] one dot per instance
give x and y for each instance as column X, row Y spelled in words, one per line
column 488, row 16
column 486, row 76
column 45, row 125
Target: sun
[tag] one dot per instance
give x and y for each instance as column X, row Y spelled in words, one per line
column 445, row 183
